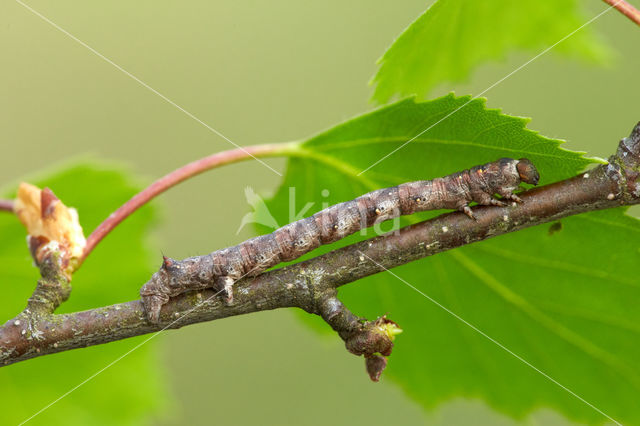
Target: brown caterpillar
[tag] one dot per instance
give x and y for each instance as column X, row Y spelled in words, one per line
column 222, row 268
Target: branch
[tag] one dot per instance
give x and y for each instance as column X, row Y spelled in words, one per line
column 626, row 9
column 6, row 206
column 311, row 285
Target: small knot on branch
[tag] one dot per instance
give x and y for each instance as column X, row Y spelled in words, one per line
column 372, row 339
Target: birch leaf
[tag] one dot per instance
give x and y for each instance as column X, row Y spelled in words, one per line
column 453, row 37
column 563, row 297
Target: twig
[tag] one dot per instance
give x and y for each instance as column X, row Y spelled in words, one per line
column 6, row 206
column 626, row 9
column 179, row 175
column 311, row 285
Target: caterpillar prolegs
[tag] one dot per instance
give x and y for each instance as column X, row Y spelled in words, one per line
column 222, row 268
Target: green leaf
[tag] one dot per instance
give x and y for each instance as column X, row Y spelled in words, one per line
column 130, row 390
column 454, row 36
column 565, row 301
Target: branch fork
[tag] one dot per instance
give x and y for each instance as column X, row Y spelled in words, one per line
column 373, row 339
column 312, row 285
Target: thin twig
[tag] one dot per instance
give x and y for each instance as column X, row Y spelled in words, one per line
column 179, row 175
column 626, row 9
column 6, row 206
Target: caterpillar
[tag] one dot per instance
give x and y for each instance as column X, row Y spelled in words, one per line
column 222, row 268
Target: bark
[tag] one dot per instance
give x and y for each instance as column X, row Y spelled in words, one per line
column 311, row 285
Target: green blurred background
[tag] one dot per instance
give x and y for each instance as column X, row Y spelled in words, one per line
column 259, row 72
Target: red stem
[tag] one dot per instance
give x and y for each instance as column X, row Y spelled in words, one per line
column 626, row 9
column 6, row 206
column 179, row 175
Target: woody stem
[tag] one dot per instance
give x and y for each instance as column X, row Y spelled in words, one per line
column 607, row 186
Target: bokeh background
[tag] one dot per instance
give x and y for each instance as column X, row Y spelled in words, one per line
column 259, row 72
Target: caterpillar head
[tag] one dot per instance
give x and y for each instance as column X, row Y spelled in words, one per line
column 527, row 171
column 155, row 294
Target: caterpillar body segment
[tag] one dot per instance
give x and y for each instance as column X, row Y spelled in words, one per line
column 222, row 268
